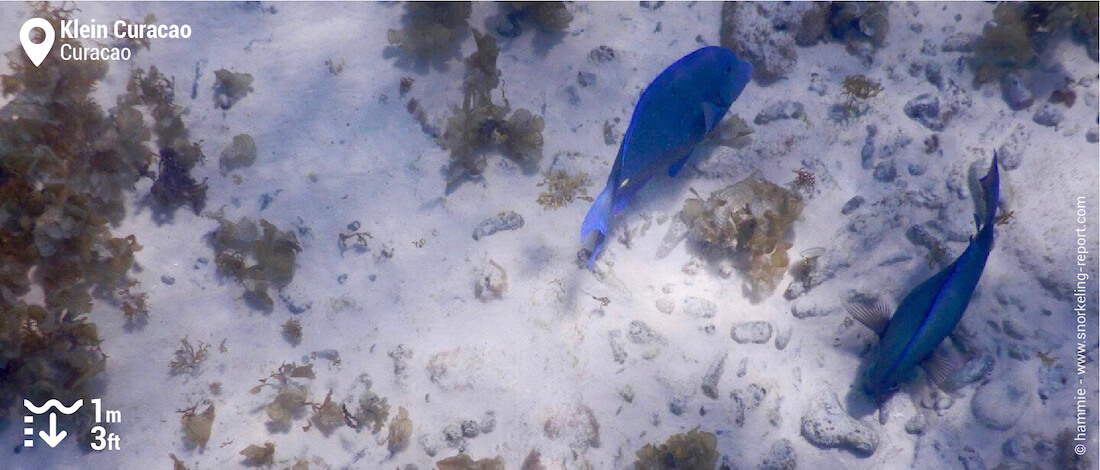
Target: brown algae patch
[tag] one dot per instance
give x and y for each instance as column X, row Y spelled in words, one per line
column 747, row 224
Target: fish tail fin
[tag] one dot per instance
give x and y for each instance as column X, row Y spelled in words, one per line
column 991, row 191
column 597, row 220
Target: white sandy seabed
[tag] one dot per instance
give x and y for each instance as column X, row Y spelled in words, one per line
column 539, row 357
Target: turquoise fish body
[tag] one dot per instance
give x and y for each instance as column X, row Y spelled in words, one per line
column 930, row 311
column 675, row 112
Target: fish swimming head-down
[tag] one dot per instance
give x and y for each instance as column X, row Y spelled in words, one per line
column 674, row 113
column 929, row 312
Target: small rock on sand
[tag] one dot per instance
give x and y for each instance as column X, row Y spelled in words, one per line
column 751, row 332
column 826, row 425
column 999, row 404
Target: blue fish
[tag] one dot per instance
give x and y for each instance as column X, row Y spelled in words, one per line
column 675, row 112
column 930, row 311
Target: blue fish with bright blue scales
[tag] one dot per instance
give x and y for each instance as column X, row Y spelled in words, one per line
column 675, row 113
column 928, row 314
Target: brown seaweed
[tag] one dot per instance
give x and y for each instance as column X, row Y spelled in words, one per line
column 188, row 359
column 173, row 185
column 747, row 223
column 693, row 450
column 562, row 188
column 66, row 170
column 465, row 462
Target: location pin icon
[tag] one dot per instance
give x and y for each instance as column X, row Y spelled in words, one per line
column 36, row 52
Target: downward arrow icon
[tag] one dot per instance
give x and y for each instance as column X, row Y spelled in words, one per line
column 53, row 438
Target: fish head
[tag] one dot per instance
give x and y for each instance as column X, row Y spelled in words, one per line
column 877, row 384
column 728, row 74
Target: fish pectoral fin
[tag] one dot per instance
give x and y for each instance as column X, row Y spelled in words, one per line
column 875, row 316
column 711, row 115
column 675, row 168
column 940, row 366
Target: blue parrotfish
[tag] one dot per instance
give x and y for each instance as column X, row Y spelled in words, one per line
column 929, row 312
column 675, row 112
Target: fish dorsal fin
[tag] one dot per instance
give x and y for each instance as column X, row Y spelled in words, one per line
column 940, row 366
column 875, row 316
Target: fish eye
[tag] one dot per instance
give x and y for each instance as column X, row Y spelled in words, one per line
column 729, row 69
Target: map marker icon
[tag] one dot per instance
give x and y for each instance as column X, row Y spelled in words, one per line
column 36, row 52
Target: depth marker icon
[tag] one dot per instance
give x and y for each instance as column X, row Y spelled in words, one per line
column 28, row 431
column 53, row 437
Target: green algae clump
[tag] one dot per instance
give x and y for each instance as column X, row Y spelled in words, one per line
column 240, row 153
column 67, row 168
column 860, row 21
column 548, row 17
column 732, row 132
column 230, row 87
column 551, row 18
column 400, row 431
column 521, row 136
column 372, row 411
column 857, row 90
column 328, row 415
column 694, row 450
column 1021, row 32
column 1004, row 42
column 259, row 455
column 290, row 398
column 480, row 125
column 292, row 331
column 256, row 256
column 432, row 31
column 847, row 22
column 197, row 426
column 859, row 86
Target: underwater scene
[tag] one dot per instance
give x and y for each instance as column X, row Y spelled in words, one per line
column 560, row 235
